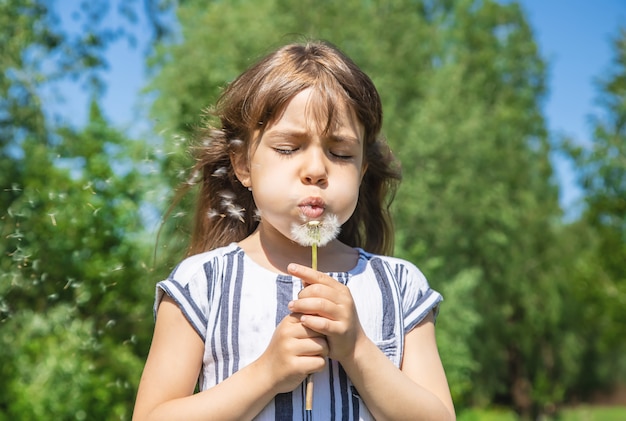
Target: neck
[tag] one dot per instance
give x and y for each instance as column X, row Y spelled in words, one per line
column 271, row 249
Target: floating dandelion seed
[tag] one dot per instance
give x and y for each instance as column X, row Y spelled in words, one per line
column 69, row 283
column 179, row 139
column 95, row 209
column 227, row 194
column 17, row 234
column 236, row 212
column 215, row 133
column 14, row 187
column 236, row 143
column 212, row 213
column 193, row 178
column 313, row 234
column 225, row 204
column 220, row 172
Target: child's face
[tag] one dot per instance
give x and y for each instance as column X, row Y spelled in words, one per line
column 298, row 174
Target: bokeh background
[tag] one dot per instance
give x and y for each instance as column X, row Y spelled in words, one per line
column 508, row 116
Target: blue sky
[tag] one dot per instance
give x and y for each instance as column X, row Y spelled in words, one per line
column 572, row 35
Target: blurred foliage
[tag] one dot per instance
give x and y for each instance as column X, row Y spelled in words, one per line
column 75, row 307
column 535, row 307
column 601, row 172
column 62, row 366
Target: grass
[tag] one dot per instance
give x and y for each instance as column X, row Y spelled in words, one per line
column 578, row 413
column 594, row 413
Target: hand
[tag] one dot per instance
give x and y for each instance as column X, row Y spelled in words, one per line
column 327, row 307
column 293, row 352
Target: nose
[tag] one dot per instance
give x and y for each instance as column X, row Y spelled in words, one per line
column 314, row 167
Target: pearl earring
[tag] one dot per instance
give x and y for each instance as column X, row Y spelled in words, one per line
column 249, row 188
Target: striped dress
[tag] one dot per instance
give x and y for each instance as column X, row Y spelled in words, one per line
column 235, row 304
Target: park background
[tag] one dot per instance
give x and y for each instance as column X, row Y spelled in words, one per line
column 508, row 118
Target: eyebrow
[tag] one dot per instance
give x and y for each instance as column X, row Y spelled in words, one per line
column 334, row 137
column 288, row 134
column 347, row 139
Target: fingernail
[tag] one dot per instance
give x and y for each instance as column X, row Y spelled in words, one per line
column 290, row 305
column 292, row 267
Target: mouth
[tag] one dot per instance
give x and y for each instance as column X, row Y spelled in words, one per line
column 312, row 207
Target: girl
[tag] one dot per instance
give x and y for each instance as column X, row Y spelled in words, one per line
column 299, row 141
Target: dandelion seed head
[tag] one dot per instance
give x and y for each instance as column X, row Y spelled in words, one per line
column 316, row 232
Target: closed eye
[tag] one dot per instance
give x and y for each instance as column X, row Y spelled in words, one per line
column 285, row 150
column 342, row 156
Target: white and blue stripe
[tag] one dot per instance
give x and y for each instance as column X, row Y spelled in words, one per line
column 235, row 305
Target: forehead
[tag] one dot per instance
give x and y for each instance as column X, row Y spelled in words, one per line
column 310, row 109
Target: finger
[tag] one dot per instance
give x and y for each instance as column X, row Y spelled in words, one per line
column 321, row 324
column 309, row 276
column 317, row 346
column 314, row 363
column 331, row 293
column 299, row 331
column 316, row 306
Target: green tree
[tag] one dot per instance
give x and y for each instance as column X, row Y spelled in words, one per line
column 74, row 251
column 601, row 170
column 75, row 307
column 602, row 165
column 484, row 199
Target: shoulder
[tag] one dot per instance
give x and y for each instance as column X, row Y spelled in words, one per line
column 191, row 266
column 418, row 298
column 191, row 283
column 401, row 269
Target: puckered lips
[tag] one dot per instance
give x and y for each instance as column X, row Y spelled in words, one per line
column 312, row 207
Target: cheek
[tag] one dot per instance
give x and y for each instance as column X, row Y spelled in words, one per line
column 347, row 194
column 272, row 191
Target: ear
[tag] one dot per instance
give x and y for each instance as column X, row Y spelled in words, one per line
column 241, row 168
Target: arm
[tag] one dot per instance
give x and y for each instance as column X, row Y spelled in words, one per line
column 168, row 381
column 417, row 391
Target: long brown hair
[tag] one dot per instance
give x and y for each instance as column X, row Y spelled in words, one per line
column 225, row 210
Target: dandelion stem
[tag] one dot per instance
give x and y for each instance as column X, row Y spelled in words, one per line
column 309, row 379
column 314, row 234
column 314, row 256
